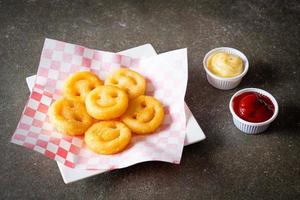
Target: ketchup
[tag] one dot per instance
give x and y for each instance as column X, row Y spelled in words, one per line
column 253, row 107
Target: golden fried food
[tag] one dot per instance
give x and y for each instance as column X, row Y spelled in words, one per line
column 106, row 102
column 144, row 115
column 130, row 81
column 79, row 84
column 69, row 117
column 107, row 137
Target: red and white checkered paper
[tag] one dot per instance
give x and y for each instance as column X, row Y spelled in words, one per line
column 166, row 76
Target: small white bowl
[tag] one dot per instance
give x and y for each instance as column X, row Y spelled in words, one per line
column 251, row 127
column 220, row 82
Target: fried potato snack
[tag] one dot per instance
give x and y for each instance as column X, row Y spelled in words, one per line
column 144, row 115
column 79, row 84
column 106, row 102
column 130, row 81
column 107, row 137
column 69, row 117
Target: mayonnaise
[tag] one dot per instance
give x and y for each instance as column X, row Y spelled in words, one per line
column 225, row 65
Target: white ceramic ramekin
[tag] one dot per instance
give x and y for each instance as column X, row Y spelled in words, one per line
column 220, row 82
column 250, row 127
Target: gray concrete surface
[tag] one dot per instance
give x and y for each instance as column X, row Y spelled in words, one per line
column 228, row 164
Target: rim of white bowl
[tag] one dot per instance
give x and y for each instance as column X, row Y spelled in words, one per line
column 260, row 91
column 234, row 52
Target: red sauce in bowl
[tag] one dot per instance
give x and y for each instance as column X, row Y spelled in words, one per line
column 253, row 107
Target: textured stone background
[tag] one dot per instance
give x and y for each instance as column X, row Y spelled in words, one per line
column 228, row 164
